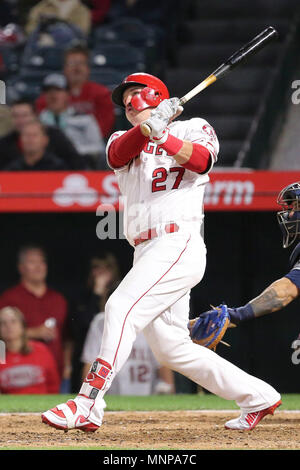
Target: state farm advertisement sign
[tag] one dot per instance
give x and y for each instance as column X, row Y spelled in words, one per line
column 85, row 191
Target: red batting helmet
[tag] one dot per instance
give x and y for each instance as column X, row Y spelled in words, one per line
column 154, row 92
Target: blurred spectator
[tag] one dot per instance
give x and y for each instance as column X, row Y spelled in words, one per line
column 71, row 11
column 86, row 97
column 141, row 374
column 30, row 367
column 12, row 35
column 24, row 7
column 35, row 156
column 81, row 129
column 103, row 279
column 2, row 67
column 99, row 10
column 44, row 309
column 21, row 113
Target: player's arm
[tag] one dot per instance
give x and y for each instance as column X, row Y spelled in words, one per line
column 275, row 297
column 191, row 155
column 279, row 294
column 126, row 147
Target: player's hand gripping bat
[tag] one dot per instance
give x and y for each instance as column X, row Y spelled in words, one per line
column 251, row 48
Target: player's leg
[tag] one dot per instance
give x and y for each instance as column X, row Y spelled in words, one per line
column 170, row 342
column 164, row 270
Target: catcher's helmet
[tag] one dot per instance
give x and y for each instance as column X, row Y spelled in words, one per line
column 153, row 93
column 289, row 217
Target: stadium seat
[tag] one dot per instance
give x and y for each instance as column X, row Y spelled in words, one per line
column 119, row 56
column 130, row 30
column 228, row 10
column 237, row 30
column 11, row 59
column 23, row 88
column 36, row 75
column 229, row 150
column 223, row 103
column 134, row 32
column 199, row 55
column 107, row 76
column 246, row 79
column 50, row 58
column 213, row 32
column 234, row 127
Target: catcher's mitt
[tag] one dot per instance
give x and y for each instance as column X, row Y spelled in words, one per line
column 209, row 328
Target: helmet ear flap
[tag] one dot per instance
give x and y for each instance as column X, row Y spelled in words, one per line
column 151, row 96
column 147, row 98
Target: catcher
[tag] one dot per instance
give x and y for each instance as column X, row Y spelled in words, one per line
column 209, row 328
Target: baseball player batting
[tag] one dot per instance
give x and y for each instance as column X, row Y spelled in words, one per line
column 162, row 178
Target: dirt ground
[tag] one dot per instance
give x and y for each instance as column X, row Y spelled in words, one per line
column 156, row 430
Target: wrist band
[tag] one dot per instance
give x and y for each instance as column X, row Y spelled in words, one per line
column 172, row 145
column 200, row 160
column 241, row 314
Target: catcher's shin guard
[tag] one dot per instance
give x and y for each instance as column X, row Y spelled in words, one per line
column 98, row 380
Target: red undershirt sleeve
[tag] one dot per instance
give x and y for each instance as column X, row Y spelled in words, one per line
column 126, row 147
column 199, row 161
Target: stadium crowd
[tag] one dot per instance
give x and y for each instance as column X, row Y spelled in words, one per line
column 50, row 342
column 59, row 60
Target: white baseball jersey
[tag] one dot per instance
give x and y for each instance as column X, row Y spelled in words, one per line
column 156, row 190
column 139, row 374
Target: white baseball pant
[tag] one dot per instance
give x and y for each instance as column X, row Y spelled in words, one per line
column 154, row 297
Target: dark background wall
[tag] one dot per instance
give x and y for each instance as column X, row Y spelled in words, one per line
column 245, row 254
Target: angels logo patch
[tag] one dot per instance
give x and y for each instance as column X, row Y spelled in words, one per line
column 209, row 131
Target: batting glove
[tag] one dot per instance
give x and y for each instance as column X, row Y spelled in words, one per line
column 160, row 118
column 167, row 109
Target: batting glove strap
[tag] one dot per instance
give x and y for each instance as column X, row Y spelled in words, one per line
column 157, row 126
column 162, row 139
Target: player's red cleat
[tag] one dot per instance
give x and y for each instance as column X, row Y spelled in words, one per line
column 248, row 421
column 67, row 416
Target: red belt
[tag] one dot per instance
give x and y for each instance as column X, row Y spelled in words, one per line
column 152, row 233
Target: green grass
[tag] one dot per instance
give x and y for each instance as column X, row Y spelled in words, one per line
column 38, row 403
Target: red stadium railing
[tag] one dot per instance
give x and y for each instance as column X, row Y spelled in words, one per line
column 85, row 191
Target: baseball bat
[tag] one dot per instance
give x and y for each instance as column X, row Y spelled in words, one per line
column 251, row 48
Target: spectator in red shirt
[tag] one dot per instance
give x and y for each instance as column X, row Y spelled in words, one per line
column 86, row 97
column 44, row 309
column 29, row 366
